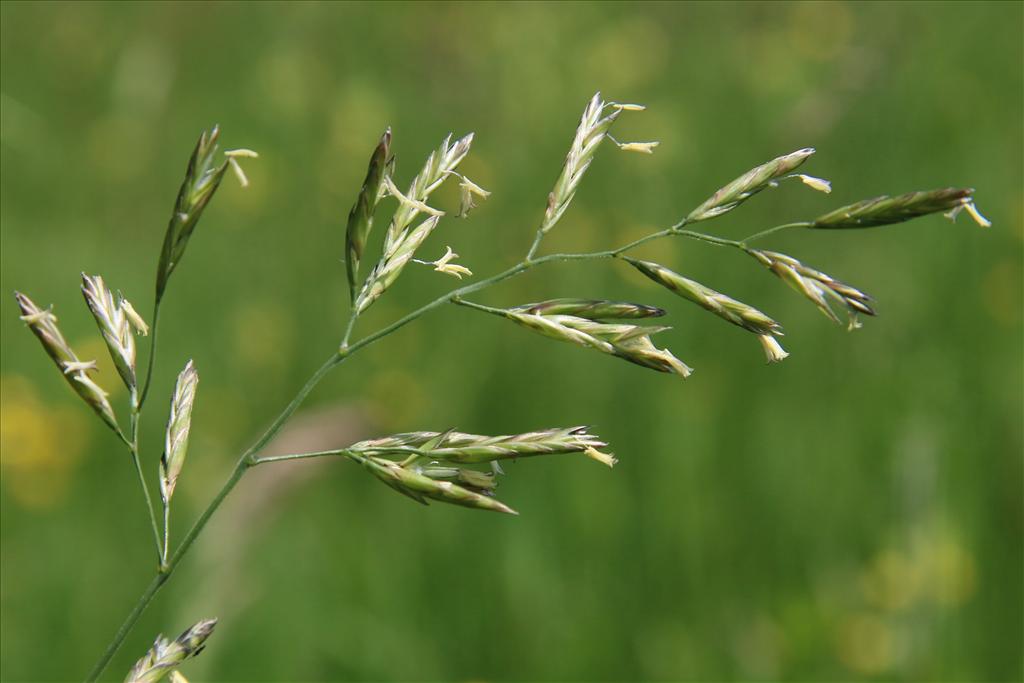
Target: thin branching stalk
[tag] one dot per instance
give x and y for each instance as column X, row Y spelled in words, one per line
column 248, row 458
column 440, row 466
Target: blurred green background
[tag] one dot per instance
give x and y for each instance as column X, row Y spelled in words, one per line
column 854, row 513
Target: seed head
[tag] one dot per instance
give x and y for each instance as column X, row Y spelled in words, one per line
column 629, row 342
column 817, row 286
column 166, row 655
column 474, row 449
column 435, row 171
column 115, row 324
column 360, row 218
column 421, row 487
column 178, row 425
column 401, row 241
column 592, row 309
column 592, row 130
column 725, row 307
column 43, row 324
column 748, row 184
column 393, row 263
column 886, row 210
column 202, row 178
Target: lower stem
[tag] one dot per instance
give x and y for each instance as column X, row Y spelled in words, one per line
column 167, row 534
column 243, row 464
column 127, row 626
column 247, row 459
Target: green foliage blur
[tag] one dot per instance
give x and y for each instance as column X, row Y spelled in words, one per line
column 853, row 513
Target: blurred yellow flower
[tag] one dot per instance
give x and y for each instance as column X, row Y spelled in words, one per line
column 40, row 445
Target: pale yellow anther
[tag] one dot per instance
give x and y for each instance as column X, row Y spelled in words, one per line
column 970, row 208
column 419, row 206
column 641, row 147
column 233, row 155
column 81, row 366
column 772, row 348
column 134, row 318
column 819, row 184
column 444, row 265
column 239, row 173
column 38, row 317
column 603, row 458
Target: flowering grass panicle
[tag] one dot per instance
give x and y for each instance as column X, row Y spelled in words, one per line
column 458, row 468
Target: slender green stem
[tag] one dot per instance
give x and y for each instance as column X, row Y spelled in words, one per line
column 149, row 503
column 711, row 239
column 349, row 328
column 297, row 456
column 243, row 464
column 535, row 246
column 126, row 627
column 439, row 301
column 133, row 448
column 248, row 459
column 152, row 352
column 479, row 307
column 167, row 535
column 777, row 228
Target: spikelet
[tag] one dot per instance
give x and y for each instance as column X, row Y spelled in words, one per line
column 436, row 170
column 592, row 309
column 202, row 178
column 401, row 241
column 43, row 324
column 629, row 342
column 166, row 655
column 393, row 263
column 360, row 218
column 421, row 487
column 725, row 307
column 179, row 422
column 117, row 322
column 817, row 286
column 886, row 210
column 590, row 133
column 475, row 449
column 748, row 184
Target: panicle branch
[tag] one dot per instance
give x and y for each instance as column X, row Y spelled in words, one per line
column 436, row 469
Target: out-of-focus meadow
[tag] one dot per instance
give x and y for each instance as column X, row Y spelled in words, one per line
column 852, row 513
